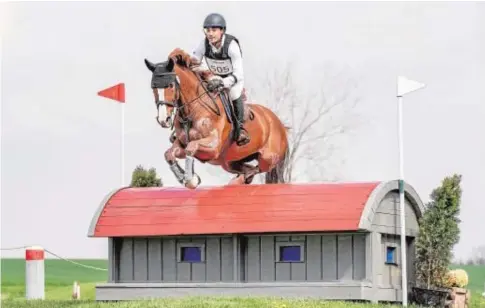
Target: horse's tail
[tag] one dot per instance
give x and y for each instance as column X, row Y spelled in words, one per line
column 277, row 174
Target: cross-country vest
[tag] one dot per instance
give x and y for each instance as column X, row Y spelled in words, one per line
column 220, row 63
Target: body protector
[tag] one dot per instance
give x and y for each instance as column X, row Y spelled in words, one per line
column 220, row 63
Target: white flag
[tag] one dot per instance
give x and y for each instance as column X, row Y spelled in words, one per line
column 405, row 86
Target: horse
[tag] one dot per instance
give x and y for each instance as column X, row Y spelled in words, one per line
column 203, row 128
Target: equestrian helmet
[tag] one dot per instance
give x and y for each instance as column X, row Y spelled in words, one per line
column 215, row 20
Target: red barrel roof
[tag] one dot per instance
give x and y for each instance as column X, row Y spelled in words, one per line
column 232, row 209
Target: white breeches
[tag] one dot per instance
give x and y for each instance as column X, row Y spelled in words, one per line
column 236, row 90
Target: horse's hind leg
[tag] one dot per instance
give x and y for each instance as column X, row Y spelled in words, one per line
column 246, row 173
column 274, row 164
column 268, row 160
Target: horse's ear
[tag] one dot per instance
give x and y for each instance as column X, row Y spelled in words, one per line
column 170, row 64
column 150, row 65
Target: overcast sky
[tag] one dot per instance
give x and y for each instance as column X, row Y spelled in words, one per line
column 61, row 142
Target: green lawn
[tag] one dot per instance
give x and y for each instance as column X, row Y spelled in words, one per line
column 195, row 302
column 60, row 276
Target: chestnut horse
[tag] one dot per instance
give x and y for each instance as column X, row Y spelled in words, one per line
column 203, row 130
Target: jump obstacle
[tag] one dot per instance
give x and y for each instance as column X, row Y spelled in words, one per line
column 35, row 275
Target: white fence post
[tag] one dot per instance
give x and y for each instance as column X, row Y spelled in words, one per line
column 76, row 290
column 34, row 273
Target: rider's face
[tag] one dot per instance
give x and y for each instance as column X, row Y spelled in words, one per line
column 213, row 34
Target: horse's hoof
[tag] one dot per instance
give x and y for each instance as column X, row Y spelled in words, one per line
column 238, row 180
column 193, row 182
column 172, row 138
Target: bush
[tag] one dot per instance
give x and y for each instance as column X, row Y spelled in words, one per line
column 456, row 278
column 145, row 178
column 438, row 233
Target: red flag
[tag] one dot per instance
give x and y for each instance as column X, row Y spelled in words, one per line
column 116, row 92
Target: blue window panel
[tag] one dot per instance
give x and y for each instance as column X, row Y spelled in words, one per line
column 191, row 254
column 290, row 253
column 390, row 257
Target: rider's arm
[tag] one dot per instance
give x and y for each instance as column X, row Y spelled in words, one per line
column 237, row 63
column 199, row 51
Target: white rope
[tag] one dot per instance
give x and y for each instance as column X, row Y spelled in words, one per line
column 14, row 248
column 57, row 256
column 73, row 262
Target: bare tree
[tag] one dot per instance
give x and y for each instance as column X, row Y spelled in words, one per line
column 318, row 108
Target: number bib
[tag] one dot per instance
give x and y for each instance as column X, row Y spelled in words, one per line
column 220, row 67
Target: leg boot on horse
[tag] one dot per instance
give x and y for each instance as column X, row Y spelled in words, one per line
column 187, row 178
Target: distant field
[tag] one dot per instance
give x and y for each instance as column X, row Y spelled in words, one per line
column 61, row 274
column 57, row 272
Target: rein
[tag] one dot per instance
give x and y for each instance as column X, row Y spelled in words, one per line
column 180, row 113
column 180, row 106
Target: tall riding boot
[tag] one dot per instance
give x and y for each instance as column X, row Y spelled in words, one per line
column 242, row 137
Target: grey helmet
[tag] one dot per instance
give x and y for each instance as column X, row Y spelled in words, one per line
column 215, row 20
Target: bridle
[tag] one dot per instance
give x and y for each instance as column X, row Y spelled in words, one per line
column 180, row 107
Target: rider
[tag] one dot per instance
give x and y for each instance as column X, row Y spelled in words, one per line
column 224, row 58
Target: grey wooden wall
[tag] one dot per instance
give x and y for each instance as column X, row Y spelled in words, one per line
column 387, row 218
column 329, row 257
column 387, row 222
column 155, row 260
column 390, row 273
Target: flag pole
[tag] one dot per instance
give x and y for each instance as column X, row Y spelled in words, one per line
column 404, row 86
column 122, row 145
column 401, row 204
column 1, row 107
column 117, row 93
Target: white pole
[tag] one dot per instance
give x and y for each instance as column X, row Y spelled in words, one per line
column 34, row 273
column 122, row 144
column 404, row 86
column 1, row 107
column 402, row 205
column 76, row 290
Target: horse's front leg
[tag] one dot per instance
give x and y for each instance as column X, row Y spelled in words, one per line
column 171, row 155
column 207, row 148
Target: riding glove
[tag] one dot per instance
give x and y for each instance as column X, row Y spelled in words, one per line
column 215, row 84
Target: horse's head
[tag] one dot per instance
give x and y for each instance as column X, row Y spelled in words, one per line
column 164, row 85
column 174, row 81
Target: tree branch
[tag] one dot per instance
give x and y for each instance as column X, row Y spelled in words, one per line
column 316, row 118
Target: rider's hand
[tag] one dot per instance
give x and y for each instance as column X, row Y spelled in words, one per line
column 215, row 84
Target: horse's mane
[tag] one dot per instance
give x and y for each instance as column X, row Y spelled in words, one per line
column 187, row 63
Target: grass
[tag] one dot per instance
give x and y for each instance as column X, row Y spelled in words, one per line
column 60, row 276
column 200, row 302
